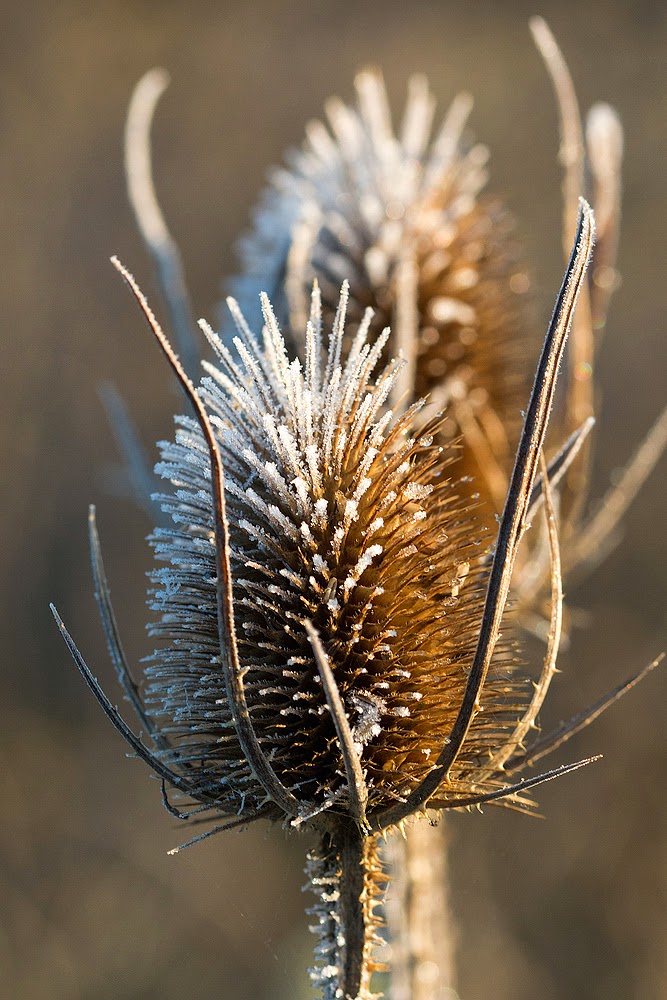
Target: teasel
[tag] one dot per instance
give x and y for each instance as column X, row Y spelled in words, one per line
column 405, row 219
column 179, row 759
column 408, row 223
column 329, row 624
column 153, row 227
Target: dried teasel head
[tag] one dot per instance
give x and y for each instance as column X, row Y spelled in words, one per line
column 404, row 218
column 349, row 555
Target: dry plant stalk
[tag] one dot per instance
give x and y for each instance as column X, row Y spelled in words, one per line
column 330, row 611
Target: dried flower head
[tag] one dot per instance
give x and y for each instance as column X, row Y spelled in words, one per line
column 404, row 219
column 337, row 517
column 326, row 603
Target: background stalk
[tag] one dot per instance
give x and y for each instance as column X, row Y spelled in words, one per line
column 421, row 928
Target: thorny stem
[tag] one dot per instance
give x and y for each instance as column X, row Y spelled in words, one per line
column 344, row 873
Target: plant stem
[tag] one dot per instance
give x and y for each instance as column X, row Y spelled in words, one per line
column 421, row 929
column 345, row 874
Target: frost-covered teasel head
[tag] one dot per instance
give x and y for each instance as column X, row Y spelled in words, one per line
column 338, row 517
column 320, row 614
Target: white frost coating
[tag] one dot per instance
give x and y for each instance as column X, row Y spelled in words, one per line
column 362, row 488
column 351, row 512
column 417, row 491
column 329, row 972
column 366, row 559
column 320, row 564
column 301, row 489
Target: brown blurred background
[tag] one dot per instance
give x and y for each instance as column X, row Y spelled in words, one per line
column 90, row 904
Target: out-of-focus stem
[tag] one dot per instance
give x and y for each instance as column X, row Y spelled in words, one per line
column 423, row 940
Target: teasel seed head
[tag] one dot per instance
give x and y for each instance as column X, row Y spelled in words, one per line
column 403, row 217
column 327, row 656
column 338, row 517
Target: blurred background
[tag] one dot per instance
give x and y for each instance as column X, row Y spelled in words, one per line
column 91, row 906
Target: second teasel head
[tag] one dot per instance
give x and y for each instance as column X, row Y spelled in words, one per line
column 405, row 219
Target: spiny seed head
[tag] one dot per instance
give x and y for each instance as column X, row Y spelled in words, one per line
column 404, row 219
column 339, row 517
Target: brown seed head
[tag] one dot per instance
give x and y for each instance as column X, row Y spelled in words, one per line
column 339, row 517
column 403, row 218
